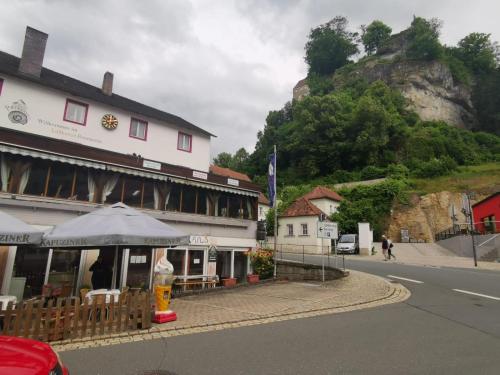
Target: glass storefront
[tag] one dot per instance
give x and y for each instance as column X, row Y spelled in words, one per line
column 28, row 275
column 63, row 270
column 139, row 267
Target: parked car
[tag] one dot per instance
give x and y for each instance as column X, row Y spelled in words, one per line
column 348, row 244
column 20, row 356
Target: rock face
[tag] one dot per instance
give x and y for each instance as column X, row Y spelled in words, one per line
column 428, row 86
column 426, row 216
column 301, row 89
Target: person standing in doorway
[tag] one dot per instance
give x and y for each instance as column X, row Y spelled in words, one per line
column 99, row 274
column 385, row 246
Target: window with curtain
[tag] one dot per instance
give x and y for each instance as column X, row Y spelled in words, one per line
column 138, row 129
column 76, row 112
column 132, row 191
column 61, row 180
column 184, row 142
column 37, row 177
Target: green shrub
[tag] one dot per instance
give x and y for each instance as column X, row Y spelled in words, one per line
column 371, row 172
column 435, row 168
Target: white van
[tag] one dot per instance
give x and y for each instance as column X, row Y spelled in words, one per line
column 348, row 244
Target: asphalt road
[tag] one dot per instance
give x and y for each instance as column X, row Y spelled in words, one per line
column 438, row 330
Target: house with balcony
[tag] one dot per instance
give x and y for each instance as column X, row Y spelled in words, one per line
column 67, row 148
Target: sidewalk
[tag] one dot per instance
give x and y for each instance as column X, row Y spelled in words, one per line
column 260, row 304
column 427, row 254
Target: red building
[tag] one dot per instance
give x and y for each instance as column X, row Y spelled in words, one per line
column 487, row 214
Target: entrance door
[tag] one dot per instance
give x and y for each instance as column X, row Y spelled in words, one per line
column 240, row 265
column 223, row 269
column 28, row 276
column 63, row 270
column 139, row 268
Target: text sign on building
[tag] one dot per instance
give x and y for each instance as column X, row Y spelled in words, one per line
column 232, row 181
column 327, row 230
column 151, row 164
column 201, row 175
column 198, row 240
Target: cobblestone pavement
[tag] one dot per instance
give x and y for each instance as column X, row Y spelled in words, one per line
column 260, row 304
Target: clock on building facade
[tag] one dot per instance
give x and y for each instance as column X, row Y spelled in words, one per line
column 109, row 122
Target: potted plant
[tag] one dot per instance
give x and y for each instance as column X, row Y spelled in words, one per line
column 262, row 263
column 252, row 278
column 229, row 282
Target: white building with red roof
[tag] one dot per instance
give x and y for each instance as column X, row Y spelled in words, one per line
column 297, row 230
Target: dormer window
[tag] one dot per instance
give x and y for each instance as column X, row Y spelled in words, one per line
column 184, row 142
column 76, row 112
column 138, row 129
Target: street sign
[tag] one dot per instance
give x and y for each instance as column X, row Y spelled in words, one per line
column 327, row 229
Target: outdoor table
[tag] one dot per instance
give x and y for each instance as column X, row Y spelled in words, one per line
column 4, row 301
column 108, row 293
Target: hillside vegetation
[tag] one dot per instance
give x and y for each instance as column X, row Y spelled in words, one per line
column 353, row 128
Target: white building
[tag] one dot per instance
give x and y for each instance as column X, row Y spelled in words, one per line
column 68, row 147
column 297, row 229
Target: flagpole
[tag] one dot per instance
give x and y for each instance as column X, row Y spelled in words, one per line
column 275, row 210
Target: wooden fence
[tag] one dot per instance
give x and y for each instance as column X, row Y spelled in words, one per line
column 67, row 318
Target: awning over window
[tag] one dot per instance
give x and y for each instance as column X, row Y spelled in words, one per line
column 119, row 169
column 51, row 156
column 213, row 187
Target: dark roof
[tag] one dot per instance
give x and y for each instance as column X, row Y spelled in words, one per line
column 302, row 207
column 9, row 64
column 323, row 192
column 72, row 149
column 486, row 199
column 226, row 172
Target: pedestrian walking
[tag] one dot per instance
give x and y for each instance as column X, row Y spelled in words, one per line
column 385, row 246
column 389, row 249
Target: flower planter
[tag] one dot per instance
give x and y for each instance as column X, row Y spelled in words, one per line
column 252, row 279
column 229, row 282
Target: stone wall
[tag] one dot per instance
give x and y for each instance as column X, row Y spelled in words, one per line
column 302, row 272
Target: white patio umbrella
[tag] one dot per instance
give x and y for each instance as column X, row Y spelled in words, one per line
column 16, row 232
column 117, row 225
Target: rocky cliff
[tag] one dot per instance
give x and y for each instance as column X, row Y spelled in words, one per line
column 428, row 85
column 426, row 216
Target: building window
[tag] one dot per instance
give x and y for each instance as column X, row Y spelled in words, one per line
column 304, row 229
column 76, row 112
column 138, row 129
column 184, row 142
column 289, row 228
column 1, row 85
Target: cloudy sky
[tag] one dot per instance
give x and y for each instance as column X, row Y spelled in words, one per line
column 221, row 64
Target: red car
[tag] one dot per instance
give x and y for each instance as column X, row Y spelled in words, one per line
column 28, row 357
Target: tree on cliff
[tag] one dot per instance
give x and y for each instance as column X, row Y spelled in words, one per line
column 330, row 46
column 424, row 39
column 374, row 35
column 478, row 53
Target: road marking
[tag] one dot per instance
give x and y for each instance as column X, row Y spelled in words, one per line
column 477, row 294
column 405, row 279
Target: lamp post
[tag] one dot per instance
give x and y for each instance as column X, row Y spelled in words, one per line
column 470, row 196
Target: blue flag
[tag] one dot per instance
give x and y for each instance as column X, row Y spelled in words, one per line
column 271, row 179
